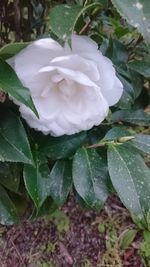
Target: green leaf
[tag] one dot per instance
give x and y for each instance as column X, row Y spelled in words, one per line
column 47, row 208
column 10, row 176
column 62, row 147
column 127, row 238
column 142, row 67
column 127, row 99
column 116, row 132
column 137, row 14
column 82, row 203
column 14, row 145
column 141, row 142
column 8, row 213
column 132, row 87
column 21, row 202
column 61, row 181
column 10, row 83
column 137, row 117
column 63, row 18
column 117, row 52
column 89, row 177
column 37, row 183
column 130, row 178
column 12, row 49
column 137, row 82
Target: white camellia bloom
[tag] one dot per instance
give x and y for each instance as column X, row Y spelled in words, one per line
column 72, row 88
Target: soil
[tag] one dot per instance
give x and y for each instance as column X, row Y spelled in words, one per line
column 75, row 238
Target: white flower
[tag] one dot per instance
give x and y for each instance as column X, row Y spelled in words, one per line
column 72, row 88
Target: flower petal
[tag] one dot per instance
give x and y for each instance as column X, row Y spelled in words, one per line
column 76, row 76
column 80, row 44
column 38, row 54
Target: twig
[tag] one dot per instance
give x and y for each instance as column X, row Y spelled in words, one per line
column 85, row 27
column 19, row 255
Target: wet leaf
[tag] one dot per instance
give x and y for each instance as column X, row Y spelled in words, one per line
column 14, row 145
column 89, row 177
column 137, row 14
column 8, row 213
column 62, row 147
column 137, row 117
column 61, row 181
column 37, row 183
column 10, row 83
column 130, row 178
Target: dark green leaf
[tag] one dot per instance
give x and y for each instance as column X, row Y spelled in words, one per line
column 82, row 203
column 47, row 208
column 10, row 176
column 116, row 132
column 12, row 49
column 63, row 18
column 130, row 178
column 14, row 145
column 10, row 84
column 61, row 181
column 117, row 52
column 137, row 14
column 141, row 142
column 37, row 183
column 137, row 83
column 21, row 202
column 137, row 117
column 142, row 67
column 62, row 147
column 127, row 99
column 89, row 177
column 8, row 213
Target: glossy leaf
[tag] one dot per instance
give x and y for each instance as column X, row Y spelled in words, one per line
column 116, row 132
column 142, row 67
column 37, row 183
column 11, row 50
column 130, row 178
column 63, row 18
column 8, row 213
column 10, row 175
column 61, row 181
column 14, row 145
column 117, row 52
column 142, row 142
column 89, row 177
column 137, row 117
column 10, row 83
column 137, row 82
column 127, row 98
column 137, row 14
column 47, row 208
column 62, row 147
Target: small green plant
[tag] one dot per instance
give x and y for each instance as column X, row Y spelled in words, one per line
column 61, row 221
column 111, row 258
column 86, row 263
column 145, row 248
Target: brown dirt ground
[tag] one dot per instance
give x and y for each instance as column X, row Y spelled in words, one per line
column 80, row 239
